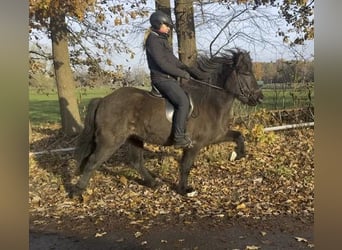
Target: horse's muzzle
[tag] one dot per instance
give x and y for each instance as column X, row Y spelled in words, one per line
column 256, row 98
column 260, row 96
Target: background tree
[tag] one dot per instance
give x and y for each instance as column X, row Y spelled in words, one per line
column 71, row 121
column 165, row 6
column 73, row 23
column 270, row 72
column 298, row 13
column 51, row 15
column 30, row 132
column 258, row 70
column 186, row 33
column 225, row 22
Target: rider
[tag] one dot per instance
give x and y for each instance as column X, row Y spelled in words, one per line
column 164, row 70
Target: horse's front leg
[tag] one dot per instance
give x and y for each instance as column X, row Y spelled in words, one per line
column 237, row 137
column 240, row 143
column 186, row 163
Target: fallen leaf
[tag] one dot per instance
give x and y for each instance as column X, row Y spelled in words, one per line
column 123, row 180
column 241, row 206
column 36, row 201
column 301, row 239
column 192, row 194
column 252, row 247
column 100, row 234
column 258, row 180
column 137, row 234
column 275, row 178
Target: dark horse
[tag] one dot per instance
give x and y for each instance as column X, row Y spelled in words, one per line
column 135, row 116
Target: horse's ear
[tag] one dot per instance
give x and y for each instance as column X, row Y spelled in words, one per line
column 238, row 59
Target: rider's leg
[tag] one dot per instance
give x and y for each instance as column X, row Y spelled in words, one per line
column 171, row 90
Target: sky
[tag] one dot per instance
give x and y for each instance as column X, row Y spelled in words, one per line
column 257, row 34
column 258, row 31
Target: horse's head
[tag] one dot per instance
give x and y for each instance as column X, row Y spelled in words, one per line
column 241, row 80
column 232, row 72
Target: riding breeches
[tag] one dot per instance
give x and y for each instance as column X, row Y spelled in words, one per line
column 171, row 90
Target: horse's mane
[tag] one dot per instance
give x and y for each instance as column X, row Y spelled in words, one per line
column 216, row 69
column 213, row 66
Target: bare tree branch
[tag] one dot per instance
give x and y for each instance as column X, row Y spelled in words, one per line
column 41, row 54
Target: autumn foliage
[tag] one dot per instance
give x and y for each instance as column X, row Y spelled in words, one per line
column 276, row 178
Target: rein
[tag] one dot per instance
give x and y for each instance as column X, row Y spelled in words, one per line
column 243, row 94
column 207, row 84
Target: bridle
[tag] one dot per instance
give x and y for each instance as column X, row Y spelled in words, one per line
column 243, row 90
column 242, row 94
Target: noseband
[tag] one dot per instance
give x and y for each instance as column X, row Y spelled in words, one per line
column 244, row 92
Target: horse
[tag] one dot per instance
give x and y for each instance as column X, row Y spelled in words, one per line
column 135, row 116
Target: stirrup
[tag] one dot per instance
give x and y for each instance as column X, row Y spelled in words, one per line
column 185, row 142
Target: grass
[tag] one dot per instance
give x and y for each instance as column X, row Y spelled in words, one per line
column 44, row 106
column 286, row 99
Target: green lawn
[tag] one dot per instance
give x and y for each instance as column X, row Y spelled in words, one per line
column 286, row 99
column 44, row 106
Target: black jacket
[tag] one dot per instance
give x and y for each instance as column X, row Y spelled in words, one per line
column 160, row 58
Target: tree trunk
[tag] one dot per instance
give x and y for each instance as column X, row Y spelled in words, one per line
column 186, row 35
column 164, row 5
column 30, row 132
column 71, row 121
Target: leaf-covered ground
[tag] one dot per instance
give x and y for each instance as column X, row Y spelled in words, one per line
column 275, row 180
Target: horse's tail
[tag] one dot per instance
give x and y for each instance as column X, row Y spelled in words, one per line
column 86, row 143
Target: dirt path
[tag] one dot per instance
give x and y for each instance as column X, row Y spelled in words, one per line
column 275, row 233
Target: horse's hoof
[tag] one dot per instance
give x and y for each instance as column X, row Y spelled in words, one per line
column 233, row 156
column 151, row 184
column 76, row 194
column 77, row 172
column 186, row 191
column 192, row 194
column 240, row 156
column 154, row 184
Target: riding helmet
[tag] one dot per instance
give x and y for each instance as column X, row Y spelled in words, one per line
column 158, row 18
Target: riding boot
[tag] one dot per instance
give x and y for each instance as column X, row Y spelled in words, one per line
column 182, row 141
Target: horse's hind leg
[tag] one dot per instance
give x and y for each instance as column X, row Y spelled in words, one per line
column 137, row 160
column 105, row 147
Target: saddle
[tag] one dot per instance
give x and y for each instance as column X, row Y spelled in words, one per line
column 169, row 109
